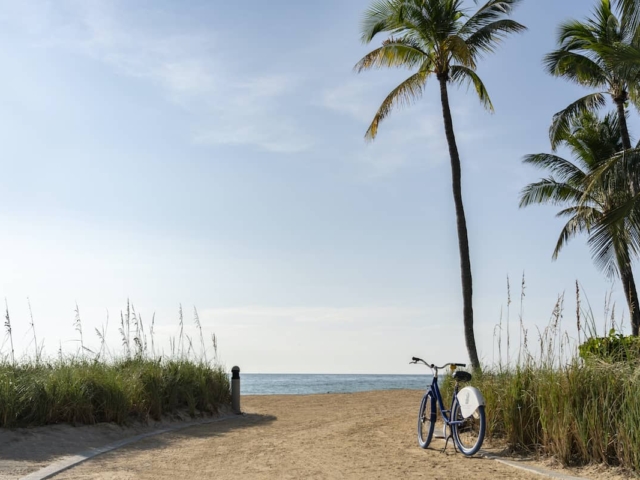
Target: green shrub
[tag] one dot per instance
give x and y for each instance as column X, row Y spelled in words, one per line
column 613, row 348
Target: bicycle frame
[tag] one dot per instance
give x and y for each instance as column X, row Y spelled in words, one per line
column 435, row 391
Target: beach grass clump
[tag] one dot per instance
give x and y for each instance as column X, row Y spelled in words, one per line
column 81, row 391
column 582, row 413
column 580, row 409
column 97, row 386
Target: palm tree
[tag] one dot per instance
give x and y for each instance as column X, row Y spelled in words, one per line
column 438, row 38
column 600, row 53
column 589, row 198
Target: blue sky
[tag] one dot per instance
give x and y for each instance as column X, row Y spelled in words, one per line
column 212, row 154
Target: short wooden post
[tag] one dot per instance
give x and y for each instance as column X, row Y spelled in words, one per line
column 235, row 389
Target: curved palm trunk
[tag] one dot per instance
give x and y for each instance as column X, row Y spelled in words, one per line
column 630, row 292
column 463, row 240
column 629, row 286
column 622, row 118
column 626, row 273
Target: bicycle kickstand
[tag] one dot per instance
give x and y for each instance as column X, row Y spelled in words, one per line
column 446, row 443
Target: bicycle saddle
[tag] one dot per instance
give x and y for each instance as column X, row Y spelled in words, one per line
column 460, row 376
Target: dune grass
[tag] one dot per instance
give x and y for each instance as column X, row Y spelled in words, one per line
column 87, row 392
column 578, row 410
column 101, row 386
column 581, row 413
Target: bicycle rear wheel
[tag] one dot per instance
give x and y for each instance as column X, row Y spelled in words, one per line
column 469, row 434
column 426, row 420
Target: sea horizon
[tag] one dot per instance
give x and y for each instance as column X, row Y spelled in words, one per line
column 319, row 383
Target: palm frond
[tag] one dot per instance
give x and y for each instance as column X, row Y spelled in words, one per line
column 550, row 192
column 489, row 13
column 618, row 175
column 623, row 60
column 560, row 127
column 576, row 35
column 403, row 95
column 634, row 96
column 590, row 215
column 616, row 239
column 382, row 16
column 461, row 75
column 604, row 23
column 460, row 51
column 573, row 227
column 399, row 53
column 487, row 38
column 630, row 13
column 564, row 169
column 575, row 67
column 602, row 244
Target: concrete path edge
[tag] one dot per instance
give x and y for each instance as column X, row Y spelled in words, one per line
column 68, row 462
column 530, row 468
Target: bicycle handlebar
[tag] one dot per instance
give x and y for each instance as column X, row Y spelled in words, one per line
column 431, row 365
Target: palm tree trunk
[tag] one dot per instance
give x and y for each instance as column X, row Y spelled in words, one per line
column 463, row 239
column 626, row 139
column 629, row 286
column 626, row 273
column 622, row 118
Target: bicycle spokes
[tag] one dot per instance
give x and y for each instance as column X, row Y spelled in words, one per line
column 469, row 433
column 426, row 421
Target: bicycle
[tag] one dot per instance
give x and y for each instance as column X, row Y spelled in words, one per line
column 465, row 420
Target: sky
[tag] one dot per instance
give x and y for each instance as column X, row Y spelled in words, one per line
column 211, row 154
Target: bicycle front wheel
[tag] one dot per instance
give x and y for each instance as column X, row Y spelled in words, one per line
column 469, row 434
column 426, row 420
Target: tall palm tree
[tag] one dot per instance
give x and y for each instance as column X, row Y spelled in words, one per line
column 588, row 200
column 600, row 53
column 441, row 39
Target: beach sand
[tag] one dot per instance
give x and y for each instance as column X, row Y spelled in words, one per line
column 25, row 450
column 344, row 436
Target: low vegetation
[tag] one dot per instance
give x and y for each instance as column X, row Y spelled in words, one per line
column 580, row 413
column 90, row 387
column 578, row 409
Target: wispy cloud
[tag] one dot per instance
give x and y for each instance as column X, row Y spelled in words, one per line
column 372, row 316
column 181, row 61
column 420, row 141
column 401, row 139
column 323, row 339
column 253, row 114
column 354, row 98
column 409, row 136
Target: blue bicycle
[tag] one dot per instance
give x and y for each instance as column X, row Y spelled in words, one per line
column 465, row 420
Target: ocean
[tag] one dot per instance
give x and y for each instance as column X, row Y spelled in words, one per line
column 303, row 384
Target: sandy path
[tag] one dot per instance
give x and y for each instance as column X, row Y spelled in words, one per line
column 365, row 435
column 25, row 450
